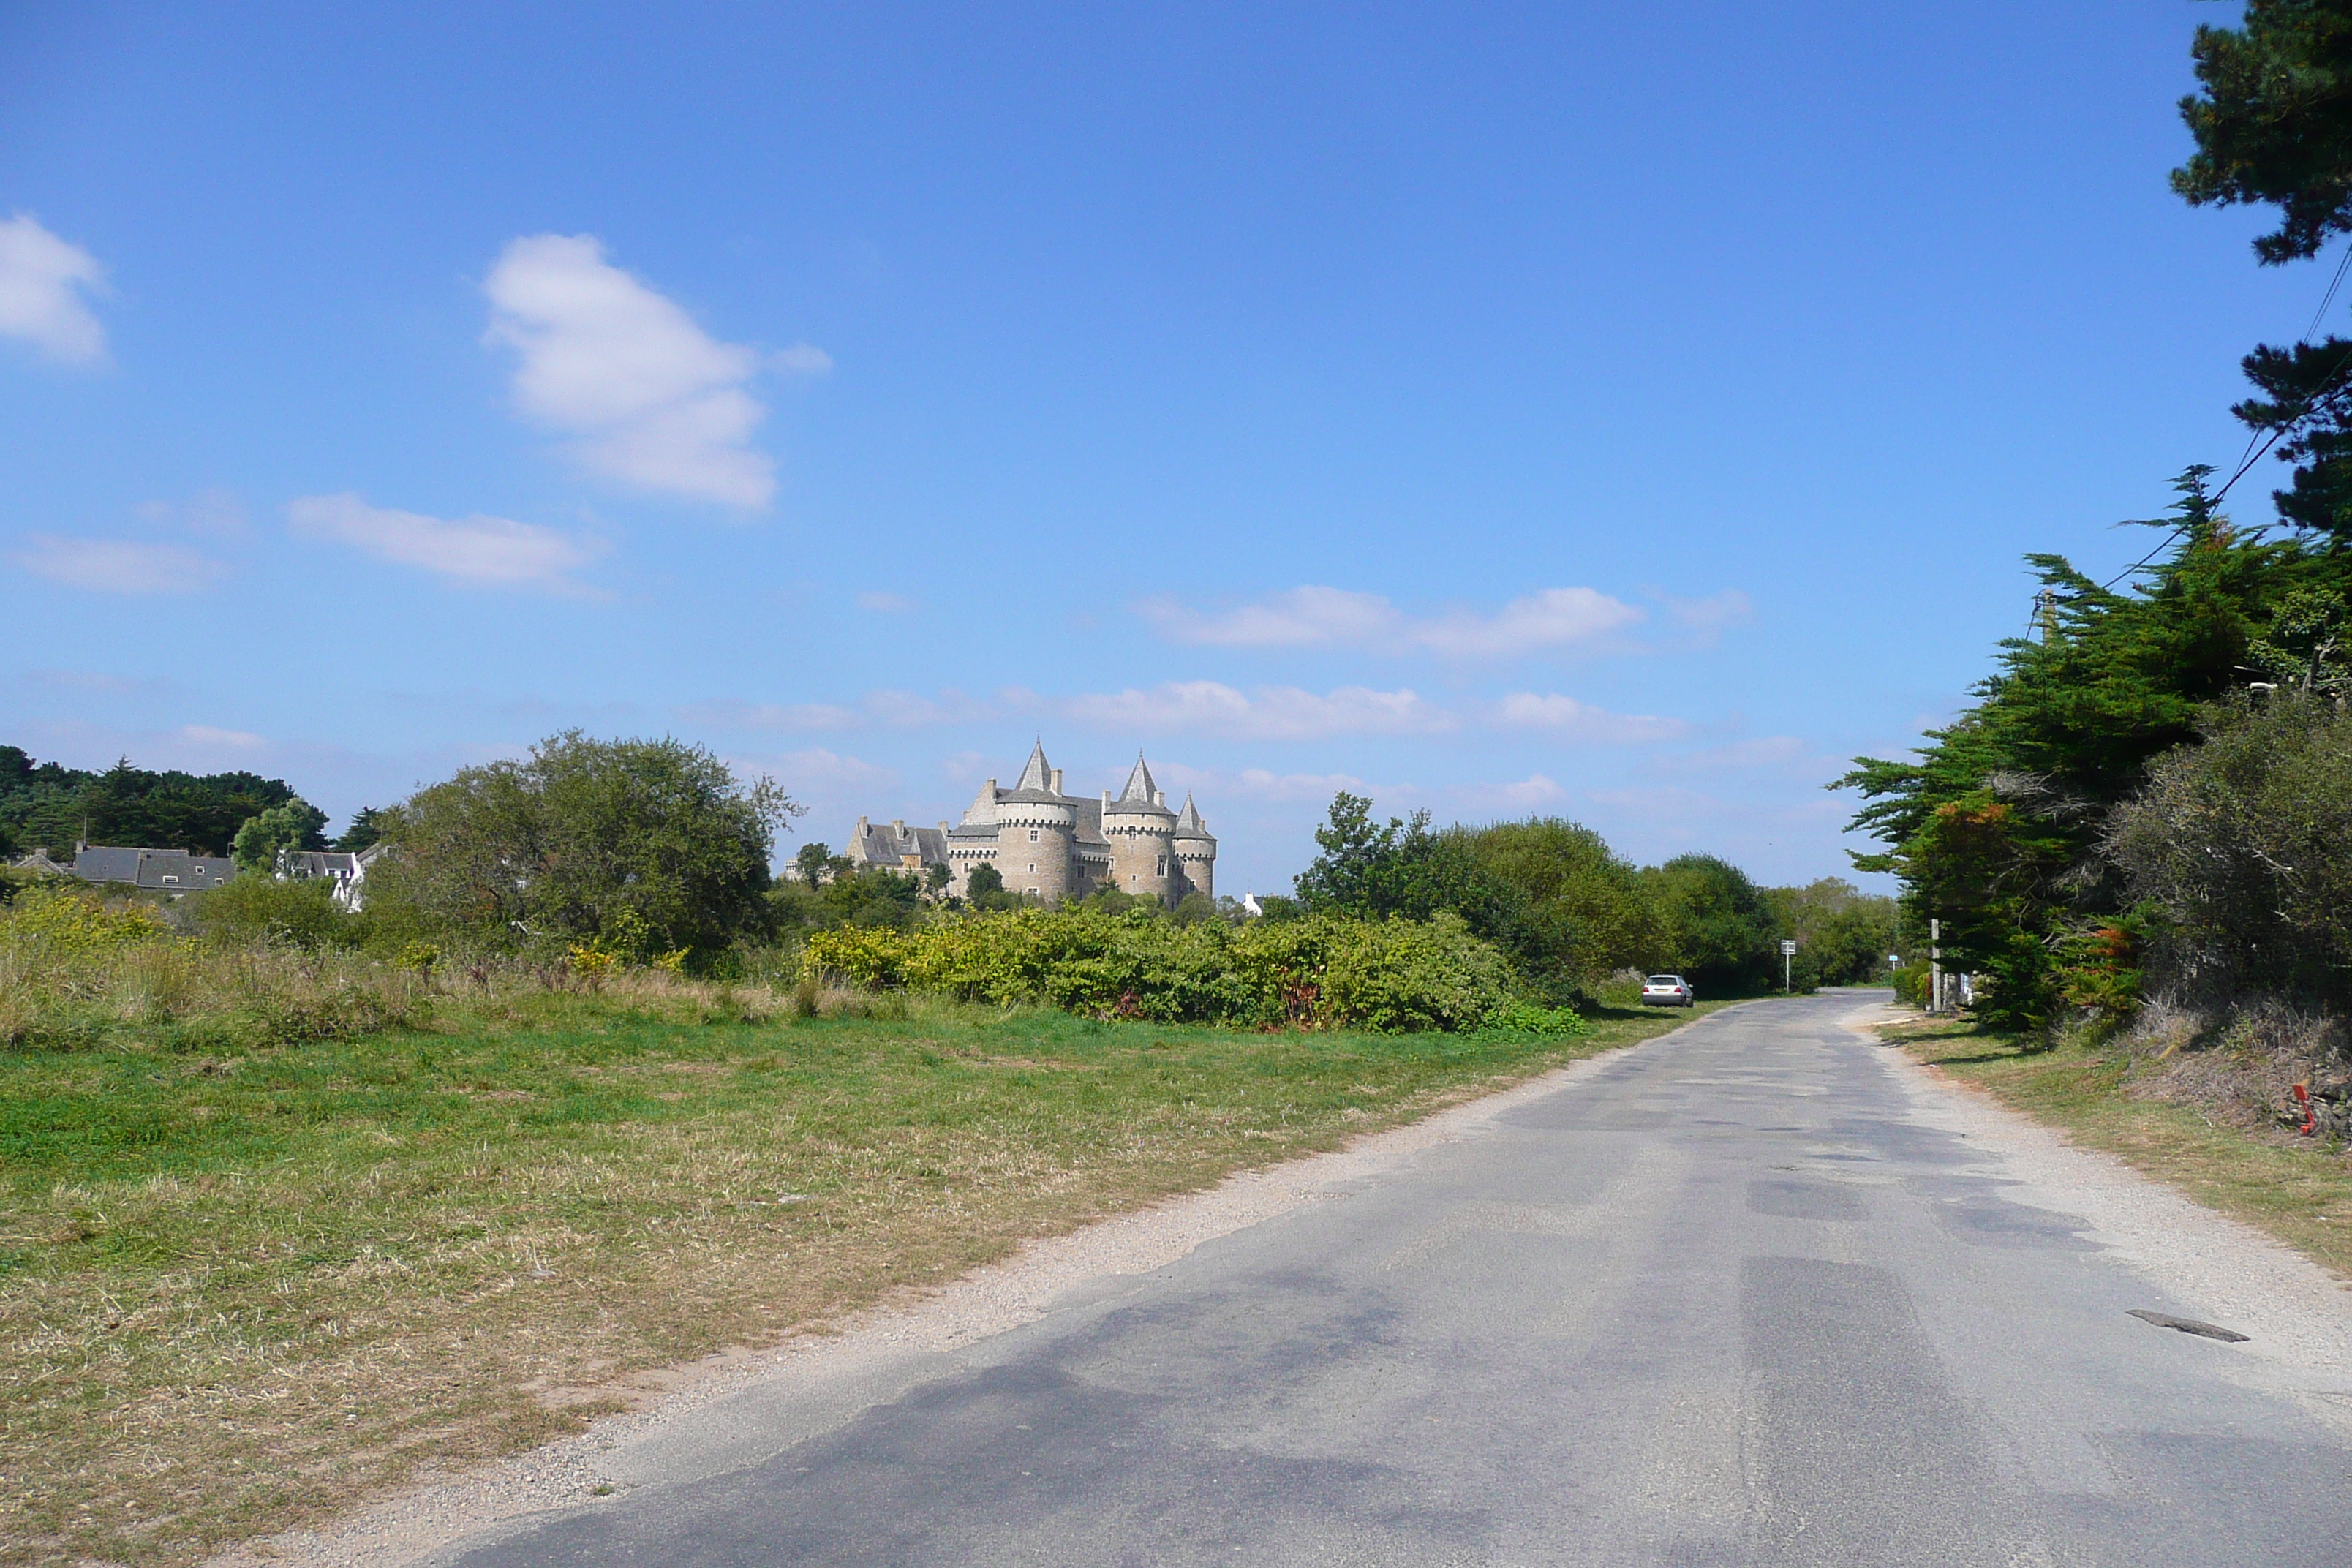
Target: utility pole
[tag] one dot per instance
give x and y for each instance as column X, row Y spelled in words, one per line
column 1934, row 965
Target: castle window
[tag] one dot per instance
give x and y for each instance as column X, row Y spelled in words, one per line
column 1033, row 836
column 1032, row 868
column 1163, row 867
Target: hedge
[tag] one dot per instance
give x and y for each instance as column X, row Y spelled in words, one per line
column 1391, row 976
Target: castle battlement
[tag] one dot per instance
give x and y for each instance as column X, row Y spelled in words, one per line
column 1059, row 846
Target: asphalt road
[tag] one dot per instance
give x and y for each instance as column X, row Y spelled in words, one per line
column 1723, row 1300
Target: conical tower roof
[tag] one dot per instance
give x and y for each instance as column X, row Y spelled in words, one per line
column 1038, row 775
column 1189, row 824
column 1141, row 794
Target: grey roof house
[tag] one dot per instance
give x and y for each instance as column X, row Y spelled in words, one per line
column 346, row 868
column 153, row 870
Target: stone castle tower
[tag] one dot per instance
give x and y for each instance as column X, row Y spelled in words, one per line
column 1058, row 846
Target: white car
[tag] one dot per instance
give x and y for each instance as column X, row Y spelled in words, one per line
column 1666, row 991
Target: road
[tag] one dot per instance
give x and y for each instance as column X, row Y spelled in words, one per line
column 1726, row 1299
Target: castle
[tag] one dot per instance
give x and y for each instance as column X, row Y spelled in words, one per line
column 1058, row 846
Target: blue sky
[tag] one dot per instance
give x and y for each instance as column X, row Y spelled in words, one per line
column 1628, row 413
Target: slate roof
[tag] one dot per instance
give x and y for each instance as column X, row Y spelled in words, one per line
column 174, row 870
column 884, row 843
column 1141, row 795
column 1189, row 824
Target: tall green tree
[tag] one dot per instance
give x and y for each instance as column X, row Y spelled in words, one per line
column 1575, row 909
column 44, row 805
column 654, row 841
column 1714, row 926
column 1372, row 872
column 2273, row 123
column 266, row 838
column 1994, row 829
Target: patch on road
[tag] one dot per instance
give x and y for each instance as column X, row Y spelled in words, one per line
column 2188, row 1325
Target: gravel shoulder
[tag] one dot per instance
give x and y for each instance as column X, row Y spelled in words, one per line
column 2297, row 1315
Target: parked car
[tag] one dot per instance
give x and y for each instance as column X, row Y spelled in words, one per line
column 1667, row 991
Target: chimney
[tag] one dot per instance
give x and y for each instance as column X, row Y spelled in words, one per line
column 1057, row 781
column 898, row 826
column 864, row 830
column 1159, row 798
column 943, row 825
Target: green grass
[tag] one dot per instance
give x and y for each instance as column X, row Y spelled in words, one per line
column 2299, row 1191
column 239, row 1291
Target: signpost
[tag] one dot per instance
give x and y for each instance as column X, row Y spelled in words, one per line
column 1788, row 953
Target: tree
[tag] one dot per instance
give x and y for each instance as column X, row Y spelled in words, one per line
column 1995, row 829
column 655, row 840
column 48, row 805
column 2274, row 121
column 1403, row 869
column 267, row 838
column 1714, row 926
column 985, row 890
column 813, row 862
column 365, row 827
column 1574, row 910
column 1843, row 934
column 2273, row 125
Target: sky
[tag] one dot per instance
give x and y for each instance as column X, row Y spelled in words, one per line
column 1630, row 414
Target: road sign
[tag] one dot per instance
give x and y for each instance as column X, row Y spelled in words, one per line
column 1788, row 947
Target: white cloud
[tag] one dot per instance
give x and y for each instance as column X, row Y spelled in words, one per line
column 1530, row 794
column 803, row 359
column 206, row 735
column 1269, row 786
column 1582, row 720
column 477, row 551
column 1313, row 616
column 769, row 715
column 1272, row 712
column 1709, row 617
column 215, row 513
column 648, row 397
column 886, row 603
column 43, row 280
column 1303, row 617
column 897, row 710
column 91, row 680
column 816, row 773
column 1553, row 618
column 120, row 566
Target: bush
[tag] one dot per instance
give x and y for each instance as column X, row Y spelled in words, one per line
column 66, row 922
column 259, row 908
column 1321, row 970
column 2242, row 848
column 583, row 836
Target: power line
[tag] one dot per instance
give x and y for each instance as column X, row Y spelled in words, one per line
column 2258, row 446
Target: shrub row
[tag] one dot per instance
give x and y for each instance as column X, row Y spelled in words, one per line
column 1391, row 977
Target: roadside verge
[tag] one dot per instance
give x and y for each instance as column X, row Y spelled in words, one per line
column 2301, row 1195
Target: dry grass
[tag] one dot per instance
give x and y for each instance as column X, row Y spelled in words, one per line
column 2182, row 1117
column 243, row 1285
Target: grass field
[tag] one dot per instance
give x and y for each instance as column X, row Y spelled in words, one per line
column 2300, row 1193
column 239, row 1291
